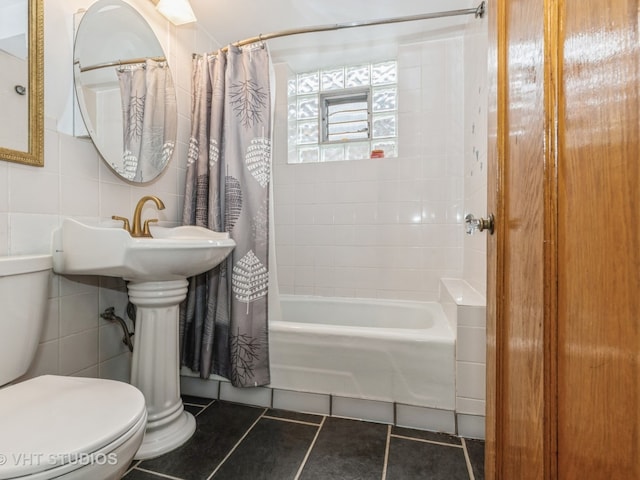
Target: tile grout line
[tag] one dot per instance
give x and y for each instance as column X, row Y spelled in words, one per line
column 201, row 410
column 134, row 464
column 291, row 420
column 161, row 475
column 395, row 435
column 467, row 459
column 395, row 413
column 386, row 453
column 236, row 445
column 306, row 457
column 191, row 404
column 202, row 407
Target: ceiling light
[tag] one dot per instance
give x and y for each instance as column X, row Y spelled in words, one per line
column 178, row 12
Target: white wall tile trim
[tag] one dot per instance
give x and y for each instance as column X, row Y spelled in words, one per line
column 424, row 418
column 411, row 416
column 471, row 426
column 304, row 402
column 361, row 409
column 258, row 396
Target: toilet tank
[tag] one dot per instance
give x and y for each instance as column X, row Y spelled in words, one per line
column 24, row 288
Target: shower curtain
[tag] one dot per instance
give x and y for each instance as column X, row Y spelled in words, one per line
column 223, row 321
column 149, row 118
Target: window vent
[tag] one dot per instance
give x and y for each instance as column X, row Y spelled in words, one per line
column 345, row 116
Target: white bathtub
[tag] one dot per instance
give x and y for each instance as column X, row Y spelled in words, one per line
column 394, row 351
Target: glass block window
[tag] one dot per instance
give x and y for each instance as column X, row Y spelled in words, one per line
column 343, row 113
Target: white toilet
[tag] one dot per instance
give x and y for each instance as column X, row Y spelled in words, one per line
column 54, row 426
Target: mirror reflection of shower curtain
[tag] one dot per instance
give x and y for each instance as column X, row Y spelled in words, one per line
column 224, row 320
column 149, row 113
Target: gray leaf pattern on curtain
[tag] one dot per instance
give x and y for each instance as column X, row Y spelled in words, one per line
column 245, row 350
column 197, row 332
column 134, row 115
column 233, row 199
column 231, row 111
column 202, row 200
column 149, row 119
column 194, row 151
column 250, row 279
column 129, row 165
column 258, row 160
column 260, row 225
column 214, row 153
column 248, row 101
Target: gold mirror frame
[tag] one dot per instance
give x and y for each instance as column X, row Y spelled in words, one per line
column 35, row 155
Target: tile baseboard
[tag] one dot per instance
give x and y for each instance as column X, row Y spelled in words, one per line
column 401, row 415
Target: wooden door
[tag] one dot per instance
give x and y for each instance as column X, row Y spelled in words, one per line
column 599, row 261
column 516, row 263
column 563, row 329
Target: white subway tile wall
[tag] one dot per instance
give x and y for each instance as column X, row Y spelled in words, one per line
column 475, row 148
column 465, row 309
column 386, row 228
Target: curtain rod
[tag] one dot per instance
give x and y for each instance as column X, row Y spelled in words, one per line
column 115, row 63
column 479, row 12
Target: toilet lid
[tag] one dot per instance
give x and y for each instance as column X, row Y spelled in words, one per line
column 48, row 421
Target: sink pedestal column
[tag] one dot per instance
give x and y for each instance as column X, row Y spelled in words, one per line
column 155, row 368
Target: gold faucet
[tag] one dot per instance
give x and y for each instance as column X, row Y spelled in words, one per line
column 136, row 230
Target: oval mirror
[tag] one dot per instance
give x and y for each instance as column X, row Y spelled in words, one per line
column 124, row 90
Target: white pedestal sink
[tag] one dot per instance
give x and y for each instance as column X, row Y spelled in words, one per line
column 156, row 270
column 155, row 367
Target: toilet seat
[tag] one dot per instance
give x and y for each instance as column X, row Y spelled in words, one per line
column 51, row 425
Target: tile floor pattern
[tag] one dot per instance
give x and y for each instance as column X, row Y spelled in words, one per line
column 239, row 442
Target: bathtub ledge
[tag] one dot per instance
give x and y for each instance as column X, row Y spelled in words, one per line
column 461, row 292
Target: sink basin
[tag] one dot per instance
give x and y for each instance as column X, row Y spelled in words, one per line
column 172, row 254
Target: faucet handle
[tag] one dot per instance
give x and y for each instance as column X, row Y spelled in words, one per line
column 126, row 225
column 145, row 230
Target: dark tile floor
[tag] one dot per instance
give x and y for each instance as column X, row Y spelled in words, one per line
column 238, row 442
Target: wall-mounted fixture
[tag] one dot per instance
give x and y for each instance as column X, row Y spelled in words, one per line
column 178, row 12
